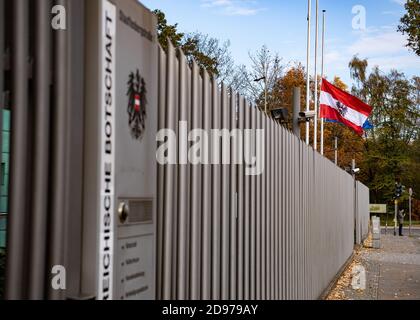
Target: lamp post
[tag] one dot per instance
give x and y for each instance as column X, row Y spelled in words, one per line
column 265, row 88
column 410, row 195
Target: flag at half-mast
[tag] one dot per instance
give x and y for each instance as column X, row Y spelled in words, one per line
column 340, row 106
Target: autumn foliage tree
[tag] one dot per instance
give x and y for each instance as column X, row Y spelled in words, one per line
column 410, row 25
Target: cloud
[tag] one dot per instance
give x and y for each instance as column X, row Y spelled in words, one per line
column 383, row 47
column 233, row 7
column 400, row 2
column 384, row 43
column 391, row 13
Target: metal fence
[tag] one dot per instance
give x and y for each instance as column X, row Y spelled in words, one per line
column 283, row 234
column 45, row 101
column 362, row 212
column 222, row 234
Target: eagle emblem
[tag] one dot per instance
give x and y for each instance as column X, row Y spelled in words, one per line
column 137, row 102
column 342, row 109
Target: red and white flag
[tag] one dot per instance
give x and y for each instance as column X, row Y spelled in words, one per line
column 338, row 105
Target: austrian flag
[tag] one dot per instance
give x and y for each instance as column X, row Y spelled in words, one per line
column 338, row 105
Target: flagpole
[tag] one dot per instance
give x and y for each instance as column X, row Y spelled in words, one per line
column 308, row 84
column 316, row 77
column 322, row 76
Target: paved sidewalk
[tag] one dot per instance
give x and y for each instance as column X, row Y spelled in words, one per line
column 392, row 272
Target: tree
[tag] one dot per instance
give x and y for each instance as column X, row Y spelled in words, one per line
column 209, row 53
column 268, row 69
column 410, row 25
column 166, row 31
column 395, row 115
column 283, row 89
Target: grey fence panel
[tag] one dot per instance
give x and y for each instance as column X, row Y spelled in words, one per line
column 47, row 109
column 272, row 210
column 41, row 151
column 18, row 172
column 170, row 178
column 225, row 199
column 216, row 194
column 282, row 234
column 206, row 204
column 253, row 226
column 233, row 198
column 161, row 172
column 362, row 211
column 183, row 184
column 258, row 233
column 241, row 202
column 195, row 199
column 247, row 206
column 277, row 213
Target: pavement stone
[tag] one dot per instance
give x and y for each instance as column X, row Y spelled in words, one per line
column 392, row 272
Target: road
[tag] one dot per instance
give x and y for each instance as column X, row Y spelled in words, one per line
column 415, row 231
column 392, row 272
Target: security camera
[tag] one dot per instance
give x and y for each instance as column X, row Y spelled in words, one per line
column 307, row 115
column 354, row 171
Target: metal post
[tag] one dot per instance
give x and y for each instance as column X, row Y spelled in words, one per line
column 225, row 199
column 395, row 217
column 182, row 185
column 336, row 151
column 18, row 171
column 206, row 203
column 316, row 79
column 410, row 194
column 353, row 166
column 195, row 206
column 265, row 87
column 308, row 84
column 59, row 148
column 322, row 76
column 296, row 110
column 41, row 150
column 169, row 179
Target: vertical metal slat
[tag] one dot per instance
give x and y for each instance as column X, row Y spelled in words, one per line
column 182, row 184
column 41, row 150
column 169, row 178
column 216, row 195
column 195, row 207
column 18, row 171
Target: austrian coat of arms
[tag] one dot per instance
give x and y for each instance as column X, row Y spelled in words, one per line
column 137, row 102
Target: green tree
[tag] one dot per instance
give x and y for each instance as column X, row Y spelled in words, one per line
column 410, row 25
column 395, row 115
column 209, row 53
column 167, row 32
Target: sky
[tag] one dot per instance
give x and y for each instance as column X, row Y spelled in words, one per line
column 282, row 26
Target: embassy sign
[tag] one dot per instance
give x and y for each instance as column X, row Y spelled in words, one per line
column 119, row 236
column 107, row 157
